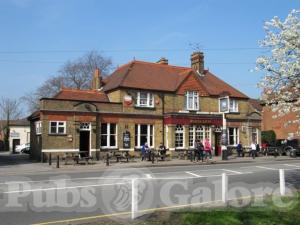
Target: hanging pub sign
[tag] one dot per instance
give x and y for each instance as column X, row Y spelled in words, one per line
column 126, row 139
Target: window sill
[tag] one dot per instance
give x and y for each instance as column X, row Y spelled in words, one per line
column 144, row 107
column 57, row 134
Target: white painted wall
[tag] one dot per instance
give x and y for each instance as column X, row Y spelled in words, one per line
column 19, row 132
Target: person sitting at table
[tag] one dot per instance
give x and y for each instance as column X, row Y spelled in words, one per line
column 144, row 150
column 162, row 151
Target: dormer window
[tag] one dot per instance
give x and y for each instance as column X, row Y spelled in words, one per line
column 145, row 99
column 192, row 100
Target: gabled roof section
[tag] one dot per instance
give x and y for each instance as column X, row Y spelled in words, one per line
column 215, row 86
column 256, row 104
column 161, row 77
column 81, row 95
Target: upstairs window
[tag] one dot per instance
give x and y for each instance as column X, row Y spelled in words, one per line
column 227, row 105
column 57, row 127
column 192, row 100
column 38, row 127
column 233, row 105
column 145, row 99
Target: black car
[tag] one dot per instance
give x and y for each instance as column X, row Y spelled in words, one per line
column 294, row 146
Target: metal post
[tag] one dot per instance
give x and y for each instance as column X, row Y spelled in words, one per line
column 57, row 162
column 134, row 198
column 282, row 181
column 152, row 157
column 50, row 159
column 224, row 188
column 107, row 159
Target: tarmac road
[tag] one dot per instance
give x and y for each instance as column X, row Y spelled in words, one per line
column 50, row 198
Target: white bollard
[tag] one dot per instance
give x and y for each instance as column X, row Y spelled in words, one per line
column 282, row 182
column 134, row 198
column 224, row 188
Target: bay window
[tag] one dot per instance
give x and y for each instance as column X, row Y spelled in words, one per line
column 108, row 135
column 144, row 133
column 145, row 99
column 233, row 105
column 228, row 105
column 192, row 100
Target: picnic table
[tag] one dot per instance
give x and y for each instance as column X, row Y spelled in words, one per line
column 77, row 157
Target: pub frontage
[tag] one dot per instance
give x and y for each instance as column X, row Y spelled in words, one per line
column 143, row 102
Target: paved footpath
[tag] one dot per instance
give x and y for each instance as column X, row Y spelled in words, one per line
column 21, row 164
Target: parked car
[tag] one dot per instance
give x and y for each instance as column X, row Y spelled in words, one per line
column 294, row 147
column 26, row 150
column 19, row 148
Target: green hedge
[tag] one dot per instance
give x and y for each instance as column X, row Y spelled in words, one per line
column 268, row 136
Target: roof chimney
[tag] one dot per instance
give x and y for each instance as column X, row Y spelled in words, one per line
column 96, row 82
column 162, row 61
column 197, row 62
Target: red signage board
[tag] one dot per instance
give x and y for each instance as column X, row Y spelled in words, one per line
column 193, row 120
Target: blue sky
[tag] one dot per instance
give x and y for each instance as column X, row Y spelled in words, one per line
column 38, row 36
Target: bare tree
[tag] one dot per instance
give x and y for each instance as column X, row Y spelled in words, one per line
column 9, row 110
column 73, row 74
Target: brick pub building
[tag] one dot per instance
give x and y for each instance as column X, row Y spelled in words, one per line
column 144, row 102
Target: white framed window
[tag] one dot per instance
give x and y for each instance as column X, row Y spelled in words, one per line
column 191, row 100
column 108, row 135
column 254, row 135
column 227, row 105
column 233, row 135
column 57, row 127
column 145, row 99
column 233, row 105
column 198, row 132
column 179, row 136
column 38, row 127
column 144, row 133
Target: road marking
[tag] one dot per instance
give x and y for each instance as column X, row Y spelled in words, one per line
column 266, row 168
column 149, row 176
column 232, row 171
column 291, row 165
column 193, row 174
column 59, row 188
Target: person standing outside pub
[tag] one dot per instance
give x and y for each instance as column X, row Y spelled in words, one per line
column 207, row 149
column 239, row 149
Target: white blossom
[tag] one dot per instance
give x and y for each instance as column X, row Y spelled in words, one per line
column 281, row 66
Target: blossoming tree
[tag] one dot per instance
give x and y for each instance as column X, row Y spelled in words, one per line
column 281, row 66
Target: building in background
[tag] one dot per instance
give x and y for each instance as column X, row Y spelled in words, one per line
column 19, row 133
column 145, row 102
column 278, row 124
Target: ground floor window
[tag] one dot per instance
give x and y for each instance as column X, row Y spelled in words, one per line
column 198, row 132
column 254, row 135
column 144, row 134
column 233, row 136
column 179, row 136
column 109, row 135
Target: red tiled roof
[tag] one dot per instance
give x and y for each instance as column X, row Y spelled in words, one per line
column 153, row 76
column 256, row 104
column 81, row 95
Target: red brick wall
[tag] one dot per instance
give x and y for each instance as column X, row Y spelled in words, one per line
column 277, row 124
